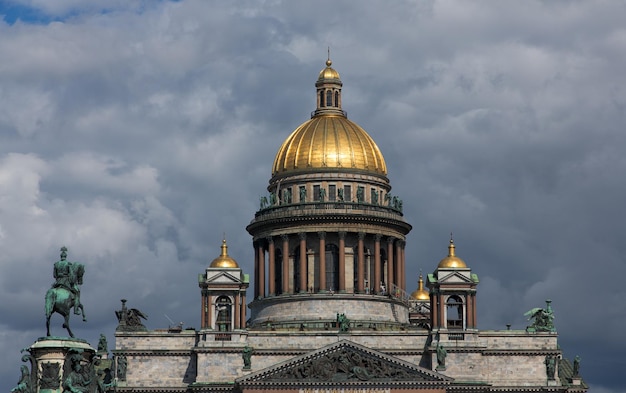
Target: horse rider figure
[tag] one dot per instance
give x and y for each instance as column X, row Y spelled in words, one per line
column 65, row 277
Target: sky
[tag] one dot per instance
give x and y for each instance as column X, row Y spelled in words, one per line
column 140, row 133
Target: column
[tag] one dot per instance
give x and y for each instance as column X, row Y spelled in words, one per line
column 243, row 310
column 285, row 263
column 303, row 287
column 203, row 314
column 210, row 316
column 398, row 265
column 360, row 275
column 236, row 312
column 322, row 236
column 433, row 310
column 256, row 269
column 403, row 266
column 261, row 279
column 272, row 274
column 390, row 279
column 342, row 262
column 377, row 264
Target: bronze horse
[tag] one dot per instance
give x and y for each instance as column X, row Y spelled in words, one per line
column 61, row 300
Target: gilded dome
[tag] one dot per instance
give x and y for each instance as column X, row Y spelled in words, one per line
column 420, row 294
column 329, row 141
column 224, row 261
column 452, row 261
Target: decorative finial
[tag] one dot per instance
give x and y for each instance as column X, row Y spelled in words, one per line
column 328, row 61
column 224, row 247
column 451, row 246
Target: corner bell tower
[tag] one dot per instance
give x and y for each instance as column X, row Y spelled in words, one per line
column 223, row 293
column 453, row 297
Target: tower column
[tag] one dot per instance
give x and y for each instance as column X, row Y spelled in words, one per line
column 342, row 262
column 203, row 313
column 242, row 310
column 389, row 263
column 303, row 286
column 377, row 263
column 261, row 281
column 272, row 267
column 322, row 246
column 360, row 265
column 236, row 312
column 285, row 263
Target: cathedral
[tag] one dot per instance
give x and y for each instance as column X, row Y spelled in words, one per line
column 329, row 309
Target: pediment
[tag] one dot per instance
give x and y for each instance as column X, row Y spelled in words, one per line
column 455, row 277
column 344, row 362
column 222, row 277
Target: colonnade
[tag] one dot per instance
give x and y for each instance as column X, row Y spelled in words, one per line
column 284, row 252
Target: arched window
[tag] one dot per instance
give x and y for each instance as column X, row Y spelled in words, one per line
column 322, row 99
column 329, row 98
column 336, row 98
column 454, row 312
column 224, row 314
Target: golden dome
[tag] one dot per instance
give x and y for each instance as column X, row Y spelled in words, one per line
column 451, row 261
column 224, row 261
column 329, row 141
column 328, row 72
column 420, row 294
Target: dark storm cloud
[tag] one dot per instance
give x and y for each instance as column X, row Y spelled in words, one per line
column 138, row 134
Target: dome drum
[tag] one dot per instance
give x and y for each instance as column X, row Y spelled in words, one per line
column 378, row 312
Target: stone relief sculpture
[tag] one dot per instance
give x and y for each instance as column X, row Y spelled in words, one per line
column 65, row 292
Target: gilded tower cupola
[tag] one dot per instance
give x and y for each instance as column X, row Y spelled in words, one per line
column 224, row 260
column 452, row 261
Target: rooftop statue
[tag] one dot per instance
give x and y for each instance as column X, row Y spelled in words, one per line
column 543, row 319
column 65, row 292
column 130, row 319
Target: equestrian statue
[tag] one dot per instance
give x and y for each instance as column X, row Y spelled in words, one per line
column 65, row 292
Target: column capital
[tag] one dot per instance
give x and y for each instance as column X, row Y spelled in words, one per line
column 302, row 235
column 361, row 235
column 321, row 234
column 390, row 239
column 285, row 237
column 342, row 235
column 377, row 237
column 270, row 239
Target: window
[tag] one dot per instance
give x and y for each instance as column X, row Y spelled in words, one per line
column 316, row 193
column 454, row 312
column 347, row 193
column 329, row 98
column 336, row 99
column 332, row 193
column 322, row 99
column 224, row 311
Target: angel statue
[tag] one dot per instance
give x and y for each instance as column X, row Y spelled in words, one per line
column 543, row 319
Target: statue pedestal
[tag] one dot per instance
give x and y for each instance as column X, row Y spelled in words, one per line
column 48, row 358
